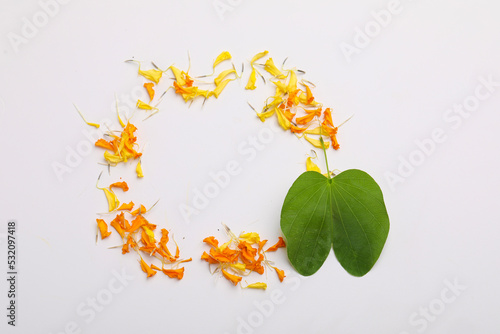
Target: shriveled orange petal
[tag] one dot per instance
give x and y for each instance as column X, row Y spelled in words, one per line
column 123, row 185
column 211, row 241
column 104, row 144
column 279, row 244
column 140, row 210
column 208, row 258
column 118, row 224
column 233, row 278
column 281, row 274
column 103, row 228
column 147, row 269
column 126, row 206
column 151, row 92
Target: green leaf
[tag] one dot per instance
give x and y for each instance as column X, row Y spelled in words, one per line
column 347, row 213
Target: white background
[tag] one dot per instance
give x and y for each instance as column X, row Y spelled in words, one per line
column 444, row 222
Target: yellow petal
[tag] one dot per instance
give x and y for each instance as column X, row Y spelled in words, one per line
column 258, row 285
column 251, row 237
column 112, row 199
column 316, row 142
column 89, row 123
column 220, row 58
column 222, row 75
column 266, row 114
column 273, row 70
column 258, row 56
column 144, row 105
column 118, row 113
column 292, row 83
column 238, row 266
column 251, row 80
column 138, row 170
column 311, row 166
column 112, row 158
column 282, row 120
column 178, row 76
column 153, row 75
column 220, row 87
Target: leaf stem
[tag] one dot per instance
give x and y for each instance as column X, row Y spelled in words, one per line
column 326, row 158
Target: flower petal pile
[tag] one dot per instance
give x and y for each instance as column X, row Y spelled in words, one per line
column 138, row 234
column 241, row 256
column 294, row 105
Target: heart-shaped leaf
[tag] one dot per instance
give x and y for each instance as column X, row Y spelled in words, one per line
column 346, row 212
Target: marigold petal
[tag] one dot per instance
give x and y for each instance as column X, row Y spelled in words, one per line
column 126, row 206
column 122, row 185
column 225, row 55
column 258, row 285
column 153, row 74
column 103, row 228
column 233, row 278
column 279, row 244
column 138, row 170
column 147, row 269
column 150, row 90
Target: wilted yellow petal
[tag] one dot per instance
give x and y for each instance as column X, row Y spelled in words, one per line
column 138, row 169
column 220, row 58
column 89, row 123
column 311, row 166
column 118, row 113
column 153, row 75
column 292, row 82
column 178, row 76
column 316, row 142
column 112, row 158
column 222, row 75
column 144, row 105
column 251, row 237
column 273, row 70
column 251, row 80
column 113, row 201
column 266, row 114
column 238, row 266
column 220, row 87
column 258, row 56
column 282, row 120
column 258, row 285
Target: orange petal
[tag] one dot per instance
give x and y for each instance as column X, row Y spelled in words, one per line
column 208, row 258
column 122, row 185
column 147, row 269
column 127, row 207
column 103, row 228
column 233, row 278
column 279, row 244
column 149, row 88
column 104, row 144
column 211, row 241
column 281, row 274
column 140, row 210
